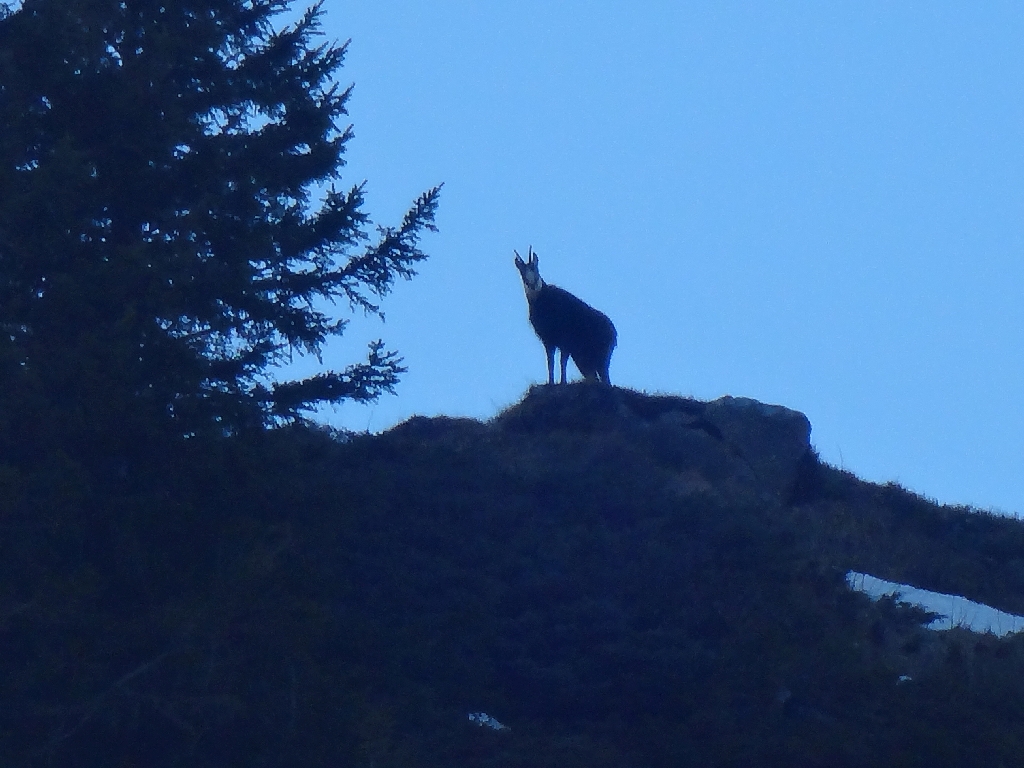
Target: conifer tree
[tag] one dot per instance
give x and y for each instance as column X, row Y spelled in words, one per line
column 172, row 220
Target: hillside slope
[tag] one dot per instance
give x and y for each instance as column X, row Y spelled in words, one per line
column 617, row 578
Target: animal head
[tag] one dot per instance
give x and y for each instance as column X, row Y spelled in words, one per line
column 529, row 270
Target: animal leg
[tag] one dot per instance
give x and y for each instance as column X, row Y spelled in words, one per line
column 550, row 352
column 565, row 362
column 589, row 374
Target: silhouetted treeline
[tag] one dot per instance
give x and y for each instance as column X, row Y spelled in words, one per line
column 297, row 597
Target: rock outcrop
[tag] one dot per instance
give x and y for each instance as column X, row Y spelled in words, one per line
column 735, row 445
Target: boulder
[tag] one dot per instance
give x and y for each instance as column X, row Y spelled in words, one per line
column 771, row 439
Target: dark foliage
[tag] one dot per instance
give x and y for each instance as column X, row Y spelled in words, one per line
column 296, row 597
column 170, row 224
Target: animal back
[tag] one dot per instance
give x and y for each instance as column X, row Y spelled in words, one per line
column 564, row 321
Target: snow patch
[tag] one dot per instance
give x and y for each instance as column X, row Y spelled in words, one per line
column 486, row 721
column 953, row 610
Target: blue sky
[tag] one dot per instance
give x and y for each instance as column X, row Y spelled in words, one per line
column 813, row 204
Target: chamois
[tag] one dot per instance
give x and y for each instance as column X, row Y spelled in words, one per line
column 566, row 323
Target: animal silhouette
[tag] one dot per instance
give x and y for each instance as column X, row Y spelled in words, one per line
column 568, row 324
